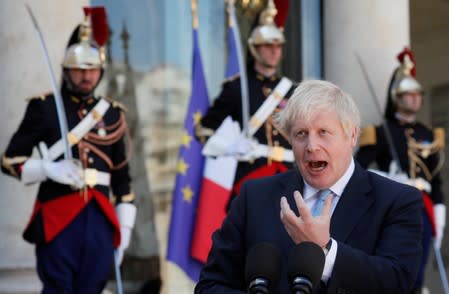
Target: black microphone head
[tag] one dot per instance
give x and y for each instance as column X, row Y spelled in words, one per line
column 306, row 260
column 263, row 262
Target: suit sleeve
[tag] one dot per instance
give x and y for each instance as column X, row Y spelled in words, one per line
column 437, row 193
column 120, row 178
column 224, row 270
column 373, row 148
column 24, row 139
column 367, row 152
column 393, row 264
column 227, row 103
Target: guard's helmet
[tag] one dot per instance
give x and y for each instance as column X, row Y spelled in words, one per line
column 402, row 81
column 85, row 49
column 266, row 32
column 405, row 77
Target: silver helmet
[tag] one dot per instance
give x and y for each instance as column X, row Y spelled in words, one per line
column 404, row 79
column 87, row 49
column 266, row 32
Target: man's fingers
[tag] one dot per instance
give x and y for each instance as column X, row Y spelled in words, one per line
column 285, row 208
column 304, row 211
column 288, row 217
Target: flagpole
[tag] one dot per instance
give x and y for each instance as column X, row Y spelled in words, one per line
column 242, row 67
column 194, row 5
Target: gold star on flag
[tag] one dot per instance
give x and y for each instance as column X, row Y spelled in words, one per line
column 197, row 117
column 182, row 166
column 186, row 138
column 187, row 194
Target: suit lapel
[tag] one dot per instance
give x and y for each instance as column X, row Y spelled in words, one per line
column 353, row 204
column 290, row 184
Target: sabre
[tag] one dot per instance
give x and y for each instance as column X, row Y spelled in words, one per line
column 387, row 133
column 62, row 119
column 441, row 268
column 242, row 69
column 118, row 276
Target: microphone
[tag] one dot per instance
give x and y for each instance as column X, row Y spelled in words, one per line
column 262, row 269
column 305, row 267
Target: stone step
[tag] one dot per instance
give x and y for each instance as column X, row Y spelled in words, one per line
column 26, row 281
column 19, row 281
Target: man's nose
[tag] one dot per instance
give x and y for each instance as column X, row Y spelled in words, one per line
column 312, row 143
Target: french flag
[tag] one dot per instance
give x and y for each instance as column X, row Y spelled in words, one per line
column 216, row 190
column 219, row 172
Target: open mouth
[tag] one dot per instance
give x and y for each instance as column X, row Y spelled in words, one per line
column 317, row 165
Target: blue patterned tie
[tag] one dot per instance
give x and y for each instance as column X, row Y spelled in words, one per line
column 322, row 195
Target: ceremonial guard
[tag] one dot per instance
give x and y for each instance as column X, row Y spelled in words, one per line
column 408, row 151
column 74, row 223
column 267, row 95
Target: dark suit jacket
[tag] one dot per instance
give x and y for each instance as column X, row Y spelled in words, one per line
column 377, row 224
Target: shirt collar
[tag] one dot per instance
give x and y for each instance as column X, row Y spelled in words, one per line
column 87, row 100
column 337, row 188
column 262, row 77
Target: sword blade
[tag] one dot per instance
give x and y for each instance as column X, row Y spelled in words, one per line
column 62, row 119
column 387, row 132
column 441, row 269
column 118, row 276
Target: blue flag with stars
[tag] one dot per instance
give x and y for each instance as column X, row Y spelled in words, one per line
column 189, row 174
column 232, row 67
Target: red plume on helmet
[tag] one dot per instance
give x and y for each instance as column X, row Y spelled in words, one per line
column 402, row 81
column 100, row 30
column 99, row 26
column 281, row 16
column 401, row 57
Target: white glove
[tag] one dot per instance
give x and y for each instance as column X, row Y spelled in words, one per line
column 439, row 211
column 126, row 214
column 64, row 172
column 400, row 178
column 227, row 140
column 241, row 146
column 33, row 171
column 396, row 174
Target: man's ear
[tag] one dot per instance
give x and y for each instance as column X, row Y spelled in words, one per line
column 354, row 136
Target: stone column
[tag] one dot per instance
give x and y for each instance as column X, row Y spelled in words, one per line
column 377, row 30
column 311, row 49
column 24, row 74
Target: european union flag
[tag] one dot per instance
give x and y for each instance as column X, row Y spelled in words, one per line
column 189, row 176
column 232, row 67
